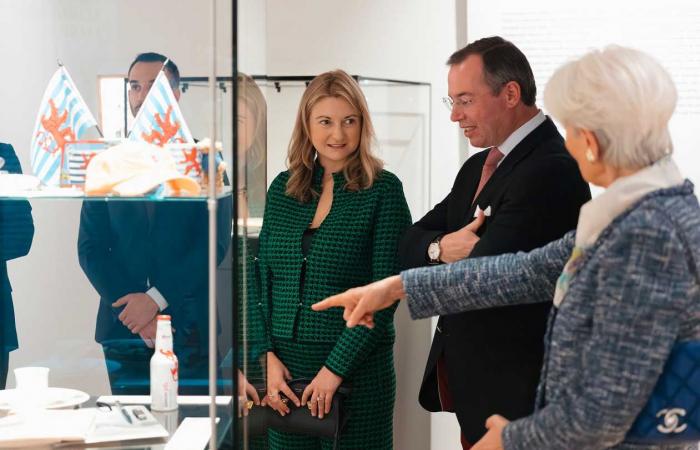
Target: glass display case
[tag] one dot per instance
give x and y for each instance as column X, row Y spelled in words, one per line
column 106, row 231
column 102, row 236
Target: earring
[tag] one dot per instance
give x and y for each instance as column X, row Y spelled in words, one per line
column 590, row 157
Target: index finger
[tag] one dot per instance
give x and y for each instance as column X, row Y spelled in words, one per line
column 330, row 302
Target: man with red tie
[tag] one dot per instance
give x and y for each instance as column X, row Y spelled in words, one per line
column 522, row 191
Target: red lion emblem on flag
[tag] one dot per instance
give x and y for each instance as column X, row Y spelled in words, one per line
column 52, row 124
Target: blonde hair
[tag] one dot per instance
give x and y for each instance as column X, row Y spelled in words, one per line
column 624, row 96
column 252, row 97
column 361, row 168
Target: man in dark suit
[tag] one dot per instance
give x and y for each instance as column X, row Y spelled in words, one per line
column 528, row 191
column 16, row 234
column 147, row 258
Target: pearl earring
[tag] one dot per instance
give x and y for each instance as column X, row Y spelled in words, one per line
column 590, row 157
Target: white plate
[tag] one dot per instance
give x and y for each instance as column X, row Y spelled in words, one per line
column 56, row 398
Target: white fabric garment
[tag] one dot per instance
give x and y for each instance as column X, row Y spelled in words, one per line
column 597, row 214
column 521, row 133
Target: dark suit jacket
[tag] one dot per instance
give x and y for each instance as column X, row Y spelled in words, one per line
column 16, row 234
column 493, row 357
column 122, row 250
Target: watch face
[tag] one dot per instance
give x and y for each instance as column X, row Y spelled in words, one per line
column 434, row 251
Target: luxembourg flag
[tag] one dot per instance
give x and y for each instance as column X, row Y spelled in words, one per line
column 63, row 116
column 160, row 122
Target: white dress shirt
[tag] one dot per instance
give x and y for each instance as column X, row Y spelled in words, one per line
column 518, row 135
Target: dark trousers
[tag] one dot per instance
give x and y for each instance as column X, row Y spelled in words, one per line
column 446, row 395
column 4, row 364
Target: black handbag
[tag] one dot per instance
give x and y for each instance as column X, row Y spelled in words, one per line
column 299, row 420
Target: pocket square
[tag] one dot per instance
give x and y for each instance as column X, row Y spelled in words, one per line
column 487, row 211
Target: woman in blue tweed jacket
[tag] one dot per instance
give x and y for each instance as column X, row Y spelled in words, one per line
column 625, row 284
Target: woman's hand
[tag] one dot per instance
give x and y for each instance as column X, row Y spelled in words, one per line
column 318, row 395
column 362, row 302
column 492, row 439
column 277, row 377
column 247, row 395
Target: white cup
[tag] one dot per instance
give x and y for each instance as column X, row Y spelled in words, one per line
column 32, row 378
column 32, row 384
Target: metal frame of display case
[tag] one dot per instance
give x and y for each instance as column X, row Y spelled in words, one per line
column 234, row 225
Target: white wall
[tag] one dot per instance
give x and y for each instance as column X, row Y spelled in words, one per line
column 55, row 304
column 410, row 40
column 375, row 38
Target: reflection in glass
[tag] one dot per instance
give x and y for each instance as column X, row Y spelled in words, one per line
column 252, row 150
column 146, row 258
column 252, row 146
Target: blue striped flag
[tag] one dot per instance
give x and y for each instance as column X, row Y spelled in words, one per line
column 63, row 116
column 160, row 122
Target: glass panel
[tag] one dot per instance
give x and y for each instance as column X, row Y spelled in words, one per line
column 252, row 123
column 83, row 278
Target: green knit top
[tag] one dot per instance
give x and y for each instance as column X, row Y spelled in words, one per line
column 355, row 245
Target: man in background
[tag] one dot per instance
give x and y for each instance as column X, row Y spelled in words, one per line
column 146, row 258
column 142, row 74
column 525, row 191
column 16, row 234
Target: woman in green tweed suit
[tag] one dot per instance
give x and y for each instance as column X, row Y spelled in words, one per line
column 332, row 221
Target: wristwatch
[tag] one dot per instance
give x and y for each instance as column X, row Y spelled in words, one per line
column 434, row 251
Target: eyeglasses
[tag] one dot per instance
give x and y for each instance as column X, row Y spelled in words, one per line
column 459, row 103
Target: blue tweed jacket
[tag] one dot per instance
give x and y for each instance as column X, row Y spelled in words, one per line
column 635, row 294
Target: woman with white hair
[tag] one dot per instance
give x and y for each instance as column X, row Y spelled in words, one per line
column 625, row 283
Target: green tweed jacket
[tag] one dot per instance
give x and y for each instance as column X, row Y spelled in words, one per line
column 356, row 244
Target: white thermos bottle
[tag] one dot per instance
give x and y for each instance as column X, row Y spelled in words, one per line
column 164, row 368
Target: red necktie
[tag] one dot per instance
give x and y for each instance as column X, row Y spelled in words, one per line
column 490, row 165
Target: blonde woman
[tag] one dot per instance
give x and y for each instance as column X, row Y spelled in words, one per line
column 332, row 221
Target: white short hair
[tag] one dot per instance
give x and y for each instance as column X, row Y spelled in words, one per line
column 623, row 96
